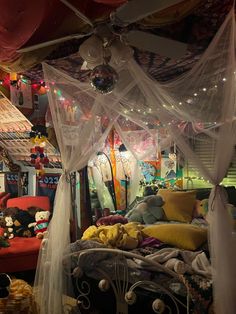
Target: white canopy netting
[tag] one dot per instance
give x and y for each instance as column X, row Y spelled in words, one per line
column 199, row 102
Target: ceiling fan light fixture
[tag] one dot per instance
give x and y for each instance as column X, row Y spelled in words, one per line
column 91, row 50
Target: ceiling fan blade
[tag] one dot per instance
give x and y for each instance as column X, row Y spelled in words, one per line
column 153, row 43
column 135, row 10
column 77, row 12
column 53, row 42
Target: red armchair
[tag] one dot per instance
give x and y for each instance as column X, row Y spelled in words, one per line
column 4, row 196
column 22, row 254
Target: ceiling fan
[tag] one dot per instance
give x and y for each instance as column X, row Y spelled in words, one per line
column 128, row 13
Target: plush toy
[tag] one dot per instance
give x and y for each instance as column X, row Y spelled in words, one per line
column 23, row 224
column 148, row 211
column 201, row 208
column 9, row 228
column 41, row 224
column 4, row 242
column 111, row 220
column 11, row 211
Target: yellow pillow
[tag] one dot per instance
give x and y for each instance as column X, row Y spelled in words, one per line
column 182, row 236
column 178, row 205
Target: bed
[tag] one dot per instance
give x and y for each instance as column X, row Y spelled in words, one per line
column 167, row 271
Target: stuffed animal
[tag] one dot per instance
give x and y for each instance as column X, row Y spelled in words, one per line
column 4, row 242
column 111, row 220
column 41, row 224
column 9, row 228
column 11, row 211
column 148, row 211
column 201, row 208
column 23, row 224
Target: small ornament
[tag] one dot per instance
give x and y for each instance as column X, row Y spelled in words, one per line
column 158, row 306
column 104, row 285
column 77, row 272
column 45, row 160
column 104, row 78
column 130, row 297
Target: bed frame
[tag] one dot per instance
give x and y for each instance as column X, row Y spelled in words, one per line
column 124, row 291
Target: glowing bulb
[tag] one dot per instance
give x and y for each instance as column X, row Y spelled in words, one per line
column 204, row 89
column 180, row 103
column 139, row 110
column 216, row 86
column 195, row 94
column 224, row 79
column 131, row 109
column 189, row 101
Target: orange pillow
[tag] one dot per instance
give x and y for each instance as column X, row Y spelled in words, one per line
column 178, row 205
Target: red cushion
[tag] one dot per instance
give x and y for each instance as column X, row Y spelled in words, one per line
column 1, row 231
column 25, row 202
column 22, row 254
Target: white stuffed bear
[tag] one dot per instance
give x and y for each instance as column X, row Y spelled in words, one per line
column 41, row 224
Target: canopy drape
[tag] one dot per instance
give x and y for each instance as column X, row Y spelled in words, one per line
column 203, row 99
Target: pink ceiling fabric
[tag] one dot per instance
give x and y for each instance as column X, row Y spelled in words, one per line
column 19, row 20
column 28, row 22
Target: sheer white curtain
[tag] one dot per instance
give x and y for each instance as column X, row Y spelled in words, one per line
column 81, row 125
column 203, row 99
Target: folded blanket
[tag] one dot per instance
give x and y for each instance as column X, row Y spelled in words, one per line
column 181, row 261
column 126, row 236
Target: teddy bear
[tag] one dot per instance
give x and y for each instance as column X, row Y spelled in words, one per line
column 22, row 224
column 41, row 223
column 9, row 228
column 148, row 211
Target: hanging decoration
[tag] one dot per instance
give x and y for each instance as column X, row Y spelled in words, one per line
column 104, row 78
column 38, row 137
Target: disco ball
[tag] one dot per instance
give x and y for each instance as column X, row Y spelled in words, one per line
column 103, row 78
